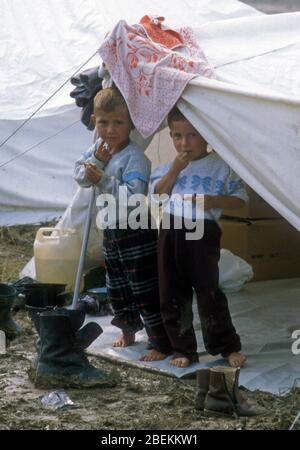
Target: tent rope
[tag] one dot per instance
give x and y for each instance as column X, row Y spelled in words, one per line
column 36, row 145
column 46, row 101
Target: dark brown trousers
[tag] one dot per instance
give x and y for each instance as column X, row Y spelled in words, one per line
column 184, row 265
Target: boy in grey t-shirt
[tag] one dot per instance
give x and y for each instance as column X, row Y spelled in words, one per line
column 186, row 264
column 115, row 162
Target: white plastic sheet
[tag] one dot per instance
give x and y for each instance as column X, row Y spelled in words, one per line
column 265, row 314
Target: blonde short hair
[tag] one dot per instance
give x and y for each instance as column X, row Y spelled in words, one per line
column 108, row 100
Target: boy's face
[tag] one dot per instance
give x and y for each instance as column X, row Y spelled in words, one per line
column 187, row 139
column 114, row 128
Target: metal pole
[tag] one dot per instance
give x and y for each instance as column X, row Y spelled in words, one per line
column 295, row 421
column 85, row 240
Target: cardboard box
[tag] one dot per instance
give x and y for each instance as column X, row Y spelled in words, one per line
column 272, row 247
column 255, row 208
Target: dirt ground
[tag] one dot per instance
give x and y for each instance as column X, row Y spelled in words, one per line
column 140, row 400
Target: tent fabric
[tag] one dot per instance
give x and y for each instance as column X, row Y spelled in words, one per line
column 250, row 114
column 260, row 142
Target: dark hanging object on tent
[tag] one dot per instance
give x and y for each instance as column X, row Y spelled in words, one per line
column 87, row 85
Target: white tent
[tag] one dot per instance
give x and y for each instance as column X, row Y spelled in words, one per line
column 250, row 114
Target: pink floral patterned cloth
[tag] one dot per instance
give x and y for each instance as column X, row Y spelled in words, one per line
column 151, row 76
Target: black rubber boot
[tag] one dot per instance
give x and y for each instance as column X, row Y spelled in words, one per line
column 39, row 298
column 62, row 361
column 84, row 336
column 224, row 397
column 34, row 315
column 42, row 297
column 203, row 376
column 7, row 324
column 45, row 294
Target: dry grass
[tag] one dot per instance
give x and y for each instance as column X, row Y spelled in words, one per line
column 16, row 249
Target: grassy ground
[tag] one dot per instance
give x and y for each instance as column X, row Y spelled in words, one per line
column 16, row 248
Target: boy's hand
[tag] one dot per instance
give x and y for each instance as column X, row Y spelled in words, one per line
column 102, row 154
column 92, row 173
column 166, row 183
column 180, row 162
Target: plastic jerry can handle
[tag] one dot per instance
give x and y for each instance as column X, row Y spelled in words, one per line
column 41, row 233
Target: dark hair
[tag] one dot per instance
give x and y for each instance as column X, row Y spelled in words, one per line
column 108, row 100
column 175, row 116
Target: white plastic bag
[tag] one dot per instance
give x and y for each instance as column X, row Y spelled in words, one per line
column 234, row 272
column 75, row 217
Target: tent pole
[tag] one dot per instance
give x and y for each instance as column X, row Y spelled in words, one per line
column 85, row 239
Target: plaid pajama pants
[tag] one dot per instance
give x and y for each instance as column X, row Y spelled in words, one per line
column 132, row 283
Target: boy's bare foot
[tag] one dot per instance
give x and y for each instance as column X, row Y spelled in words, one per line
column 153, row 355
column 236, row 359
column 124, row 340
column 180, row 361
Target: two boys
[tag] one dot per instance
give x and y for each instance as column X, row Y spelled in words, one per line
column 131, row 255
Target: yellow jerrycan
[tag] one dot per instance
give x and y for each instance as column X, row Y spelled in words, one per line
column 56, row 256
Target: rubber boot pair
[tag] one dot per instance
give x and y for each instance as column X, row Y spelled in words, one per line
column 7, row 324
column 61, row 359
column 218, row 393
